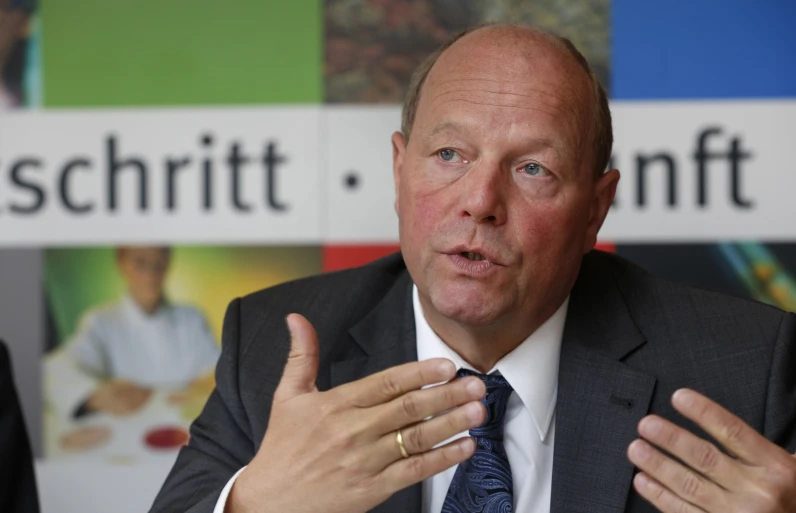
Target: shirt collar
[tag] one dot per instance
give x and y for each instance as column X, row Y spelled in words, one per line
column 135, row 310
column 531, row 368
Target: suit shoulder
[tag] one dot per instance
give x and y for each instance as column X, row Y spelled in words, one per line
column 650, row 295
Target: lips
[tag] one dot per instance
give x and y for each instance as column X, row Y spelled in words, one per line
column 476, row 254
column 475, row 257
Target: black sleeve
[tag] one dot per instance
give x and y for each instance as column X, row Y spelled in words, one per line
column 780, row 420
column 220, row 442
column 17, row 480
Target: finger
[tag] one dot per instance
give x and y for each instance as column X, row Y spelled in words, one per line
column 426, row 435
column 408, row 471
column 660, row 497
column 388, row 384
column 301, row 370
column 421, row 404
column 730, row 431
column 683, row 482
column 698, row 454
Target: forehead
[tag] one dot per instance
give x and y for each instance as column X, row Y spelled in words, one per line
column 507, row 83
column 149, row 253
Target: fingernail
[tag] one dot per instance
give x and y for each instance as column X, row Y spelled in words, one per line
column 640, row 450
column 473, row 412
column 683, row 397
column 642, row 481
column 475, row 388
column 467, row 445
column 446, row 367
column 650, row 426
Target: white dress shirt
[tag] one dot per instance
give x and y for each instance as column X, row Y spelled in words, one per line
column 532, row 371
column 169, row 348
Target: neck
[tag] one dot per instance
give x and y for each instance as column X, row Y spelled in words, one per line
column 482, row 346
column 148, row 307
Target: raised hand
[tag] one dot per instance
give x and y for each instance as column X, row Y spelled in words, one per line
column 759, row 477
column 336, row 451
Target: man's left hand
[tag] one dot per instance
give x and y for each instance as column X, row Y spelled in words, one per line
column 759, row 476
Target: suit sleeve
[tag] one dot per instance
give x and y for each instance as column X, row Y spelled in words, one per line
column 220, row 443
column 780, row 421
column 17, row 480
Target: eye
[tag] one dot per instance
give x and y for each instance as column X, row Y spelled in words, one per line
column 447, row 155
column 534, row 169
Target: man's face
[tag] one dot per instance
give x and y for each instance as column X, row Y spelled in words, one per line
column 496, row 194
column 144, row 269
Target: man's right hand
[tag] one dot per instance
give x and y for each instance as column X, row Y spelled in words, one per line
column 118, row 397
column 336, row 451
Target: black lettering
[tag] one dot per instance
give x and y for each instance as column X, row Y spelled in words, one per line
column 114, row 166
column 641, row 177
column 172, row 166
column 271, row 160
column 236, row 161
column 207, row 172
column 63, row 186
column 702, row 155
column 736, row 155
column 35, row 189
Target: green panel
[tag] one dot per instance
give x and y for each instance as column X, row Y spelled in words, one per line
column 181, row 52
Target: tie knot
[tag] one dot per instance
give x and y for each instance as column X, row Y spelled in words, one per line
column 496, row 399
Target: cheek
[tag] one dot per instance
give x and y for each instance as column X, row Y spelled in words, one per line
column 421, row 209
column 550, row 229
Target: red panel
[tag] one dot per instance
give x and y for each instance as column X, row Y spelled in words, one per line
column 343, row 257
column 610, row 247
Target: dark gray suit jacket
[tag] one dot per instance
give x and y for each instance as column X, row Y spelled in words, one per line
column 630, row 341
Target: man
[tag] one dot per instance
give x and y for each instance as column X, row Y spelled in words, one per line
column 500, row 194
column 17, row 481
column 141, row 342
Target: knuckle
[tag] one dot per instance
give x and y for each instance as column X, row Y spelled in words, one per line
column 707, row 457
column 448, row 396
column 691, row 485
column 340, row 440
column 389, row 385
column 733, row 430
column 416, row 438
column 416, row 468
column 683, row 507
column 327, row 408
column 409, row 406
column 672, row 437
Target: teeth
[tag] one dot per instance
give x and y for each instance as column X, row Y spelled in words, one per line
column 477, row 257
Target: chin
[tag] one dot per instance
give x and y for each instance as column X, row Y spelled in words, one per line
column 467, row 305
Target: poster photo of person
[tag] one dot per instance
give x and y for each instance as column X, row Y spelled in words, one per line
column 134, row 339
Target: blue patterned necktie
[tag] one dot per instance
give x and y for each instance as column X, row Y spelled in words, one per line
column 483, row 483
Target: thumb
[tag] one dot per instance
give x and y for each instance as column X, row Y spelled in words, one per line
column 301, row 370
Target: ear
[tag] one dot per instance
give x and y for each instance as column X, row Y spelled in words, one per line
column 604, row 192
column 398, row 152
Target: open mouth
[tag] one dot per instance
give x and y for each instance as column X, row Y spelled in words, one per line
column 475, row 257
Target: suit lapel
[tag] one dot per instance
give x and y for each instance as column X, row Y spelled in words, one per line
column 387, row 338
column 600, row 399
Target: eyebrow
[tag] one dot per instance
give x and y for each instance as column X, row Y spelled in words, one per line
column 545, row 142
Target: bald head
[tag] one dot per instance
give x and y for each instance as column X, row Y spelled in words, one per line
column 507, row 58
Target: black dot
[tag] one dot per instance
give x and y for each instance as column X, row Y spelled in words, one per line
column 207, row 140
column 351, row 180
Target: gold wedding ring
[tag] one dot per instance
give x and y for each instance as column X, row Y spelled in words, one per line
column 399, row 439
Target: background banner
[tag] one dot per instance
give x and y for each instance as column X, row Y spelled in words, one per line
column 205, row 150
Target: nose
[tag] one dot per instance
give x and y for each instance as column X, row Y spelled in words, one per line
column 484, row 194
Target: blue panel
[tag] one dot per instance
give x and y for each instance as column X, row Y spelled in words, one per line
column 703, row 49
